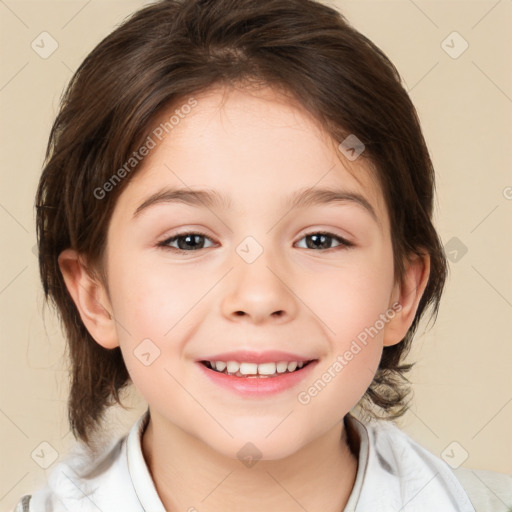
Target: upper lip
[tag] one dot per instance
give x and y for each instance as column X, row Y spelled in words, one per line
column 247, row 356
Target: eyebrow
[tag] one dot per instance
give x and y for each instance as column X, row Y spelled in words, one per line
column 212, row 199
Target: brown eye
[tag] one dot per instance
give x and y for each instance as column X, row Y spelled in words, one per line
column 323, row 240
column 185, row 242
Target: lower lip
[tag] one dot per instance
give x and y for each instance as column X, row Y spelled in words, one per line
column 258, row 386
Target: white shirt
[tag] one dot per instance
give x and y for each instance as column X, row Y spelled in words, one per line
column 395, row 474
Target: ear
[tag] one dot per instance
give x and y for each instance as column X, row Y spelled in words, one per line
column 406, row 297
column 90, row 297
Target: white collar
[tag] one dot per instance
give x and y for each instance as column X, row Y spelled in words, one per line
column 139, row 472
column 395, row 474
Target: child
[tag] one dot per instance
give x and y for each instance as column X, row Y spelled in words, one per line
column 235, row 214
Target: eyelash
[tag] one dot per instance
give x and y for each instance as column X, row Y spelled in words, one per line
column 344, row 244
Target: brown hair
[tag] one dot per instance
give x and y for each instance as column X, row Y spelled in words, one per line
column 172, row 49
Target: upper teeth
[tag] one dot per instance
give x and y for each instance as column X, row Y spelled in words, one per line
column 254, row 368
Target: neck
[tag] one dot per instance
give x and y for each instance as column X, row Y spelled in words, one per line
column 190, row 475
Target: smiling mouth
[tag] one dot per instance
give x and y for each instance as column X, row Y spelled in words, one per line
column 255, row 371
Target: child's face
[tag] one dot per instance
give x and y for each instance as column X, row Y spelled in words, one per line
column 258, row 151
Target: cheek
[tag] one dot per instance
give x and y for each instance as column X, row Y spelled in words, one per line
column 350, row 308
column 350, row 316
column 352, row 304
column 351, row 298
column 155, row 309
column 150, row 299
column 148, row 308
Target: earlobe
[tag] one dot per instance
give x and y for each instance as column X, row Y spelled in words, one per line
column 90, row 298
column 406, row 298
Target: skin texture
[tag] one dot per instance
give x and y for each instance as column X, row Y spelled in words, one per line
column 258, row 148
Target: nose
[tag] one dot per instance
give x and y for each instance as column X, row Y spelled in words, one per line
column 258, row 293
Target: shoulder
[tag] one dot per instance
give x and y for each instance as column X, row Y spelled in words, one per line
column 488, row 490
column 85, row 481
column 401, row 473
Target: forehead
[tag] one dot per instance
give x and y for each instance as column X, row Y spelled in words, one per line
column 253, row 146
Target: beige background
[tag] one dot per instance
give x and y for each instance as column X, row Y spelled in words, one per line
column 463, row 378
